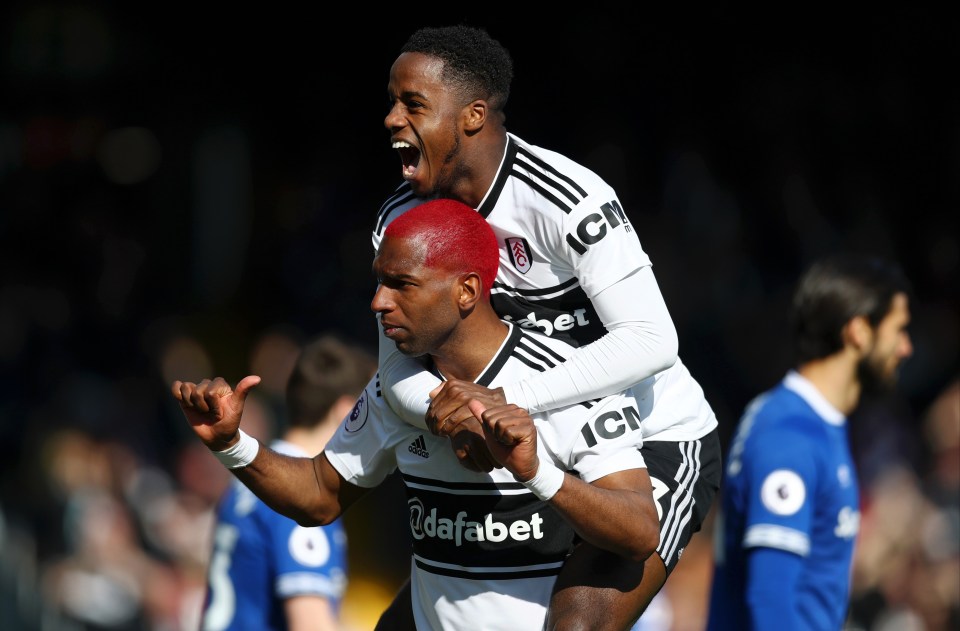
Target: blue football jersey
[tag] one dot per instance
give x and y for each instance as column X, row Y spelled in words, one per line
column 260, row 558
column 789, row 515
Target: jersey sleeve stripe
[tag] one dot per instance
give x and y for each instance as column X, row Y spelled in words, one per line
column 770, row 536
column 543, row 191
column 531, row 341
column 402, row 195
column 547, row 170
column 529, row 174
column 538, row 363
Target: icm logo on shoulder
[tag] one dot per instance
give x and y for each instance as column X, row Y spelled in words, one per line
column 520, row 254
column 595, row 226
column 610, row 425
column 358, row 415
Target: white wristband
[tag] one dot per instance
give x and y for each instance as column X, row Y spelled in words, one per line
column 547, row 482
column 241, row 453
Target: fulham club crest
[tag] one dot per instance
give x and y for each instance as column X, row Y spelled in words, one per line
column 520, row 254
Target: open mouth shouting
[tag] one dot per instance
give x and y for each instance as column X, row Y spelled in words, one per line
column 409, row 157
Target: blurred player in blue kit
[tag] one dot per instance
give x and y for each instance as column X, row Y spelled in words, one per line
column 789, row 513
column 267, row 572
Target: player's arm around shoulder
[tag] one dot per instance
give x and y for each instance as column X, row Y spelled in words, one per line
column 614, row 511
column 612, row 496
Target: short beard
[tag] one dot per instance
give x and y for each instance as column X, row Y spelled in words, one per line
column 872, row 379
column 447, row 180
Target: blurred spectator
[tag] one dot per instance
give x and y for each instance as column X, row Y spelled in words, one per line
column 906, row 571
column 106, row 581
column 266, row 571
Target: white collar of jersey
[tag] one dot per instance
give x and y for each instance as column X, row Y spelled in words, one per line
column 809, row 393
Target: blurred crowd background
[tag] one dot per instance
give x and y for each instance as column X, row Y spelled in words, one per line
column 190, row 192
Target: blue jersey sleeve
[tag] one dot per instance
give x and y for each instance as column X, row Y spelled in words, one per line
column 772, row 577
column 782, row 475
column 308, row 561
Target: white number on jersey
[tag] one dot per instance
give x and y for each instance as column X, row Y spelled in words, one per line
column 223, row 596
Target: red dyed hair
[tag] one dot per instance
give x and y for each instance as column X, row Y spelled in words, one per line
column 455, row 237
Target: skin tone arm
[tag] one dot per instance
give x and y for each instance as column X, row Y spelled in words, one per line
column 629, row 527
column 308, row 490
column 309, row 613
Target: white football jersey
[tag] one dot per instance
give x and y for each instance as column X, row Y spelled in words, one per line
column 486, row 551
column 564, row 238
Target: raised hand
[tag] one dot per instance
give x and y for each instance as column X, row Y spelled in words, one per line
column 470, row 446
column 213, row 408
column 448, row 415
column 511, row 437
column 448, row 404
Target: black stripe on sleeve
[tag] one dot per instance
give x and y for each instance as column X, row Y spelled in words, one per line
column 529, row 339
column 399, row 198
column 549, row 170
column 543, row 191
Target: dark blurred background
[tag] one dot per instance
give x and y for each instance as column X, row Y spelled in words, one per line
column 190, row 192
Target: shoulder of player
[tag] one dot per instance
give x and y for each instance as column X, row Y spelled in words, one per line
column 370, row 410
column 548, row 171
column 614, row 416
column 780, row 421
column 541, row 157
column 401, row 200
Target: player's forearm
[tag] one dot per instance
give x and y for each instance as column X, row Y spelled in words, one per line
column 620, row 521
column 310, row 612
column 289, row 485
column 613, row 363
column 641, row 341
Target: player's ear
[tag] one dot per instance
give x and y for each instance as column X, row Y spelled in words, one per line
column 470, row 289
column 858, row 333
column 474, row 115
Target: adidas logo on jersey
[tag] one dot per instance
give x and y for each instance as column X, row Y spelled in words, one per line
column 419, row 447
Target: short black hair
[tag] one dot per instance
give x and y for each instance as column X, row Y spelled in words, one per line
column 833, row 291
column 327, row 368
column 477, row 63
